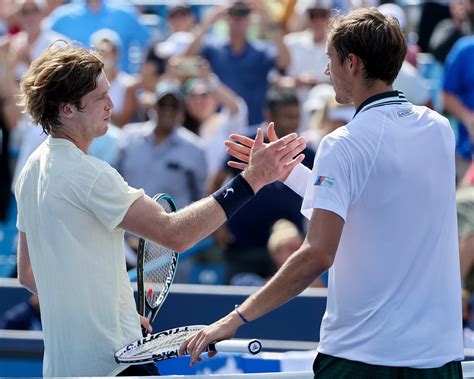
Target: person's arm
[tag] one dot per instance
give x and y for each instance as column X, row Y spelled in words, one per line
column 130, row 106
column 454, row 106
column 9, row 86
column 274, row 28
column 184, row 228
column 195, row 46
column 313, row 258
column 25, row 272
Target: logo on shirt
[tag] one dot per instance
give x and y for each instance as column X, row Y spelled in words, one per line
column 324, row 181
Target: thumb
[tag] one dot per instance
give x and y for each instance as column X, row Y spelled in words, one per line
column 258, row 139
column 272, row 136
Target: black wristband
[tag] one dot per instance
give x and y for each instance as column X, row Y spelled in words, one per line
column 233, row 195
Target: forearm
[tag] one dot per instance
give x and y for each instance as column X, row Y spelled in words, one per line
column 227, row 97
column 27, row 280
column 297, row 274
column 283, row 58
column 454, row 106
column 195, row 46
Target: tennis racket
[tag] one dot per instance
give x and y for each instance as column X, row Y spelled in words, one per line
column 165, row 345
column 156, row 267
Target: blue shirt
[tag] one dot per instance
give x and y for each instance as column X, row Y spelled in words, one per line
column 245, row 73
column 77, row 22
column 459, row 81
column 176, row 166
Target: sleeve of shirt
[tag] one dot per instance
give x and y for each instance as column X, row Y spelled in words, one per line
column 111, row 197
column 331, row 186
column 298, row 179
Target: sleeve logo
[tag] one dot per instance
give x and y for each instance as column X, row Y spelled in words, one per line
column 324, row 181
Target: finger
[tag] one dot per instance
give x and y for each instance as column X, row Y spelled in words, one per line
column 210, row 354
column 278, row 144
column 238, row 147
column 272, row 136
column 238, row 165
column 294, row 162
column 292, row 149
column 198, row 349
column 242, row 139
column 242, row 157
column 259, row 139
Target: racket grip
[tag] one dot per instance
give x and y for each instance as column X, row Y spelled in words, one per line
column 237, row 346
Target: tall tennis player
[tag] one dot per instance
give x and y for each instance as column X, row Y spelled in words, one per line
column 73, row 210
column 382, row 218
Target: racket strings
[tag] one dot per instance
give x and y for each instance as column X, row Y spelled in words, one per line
column 157, row 267
column 170, row 342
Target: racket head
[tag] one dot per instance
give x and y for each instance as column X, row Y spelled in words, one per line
column 165, row 345
column 156, row 267
column 156, row 347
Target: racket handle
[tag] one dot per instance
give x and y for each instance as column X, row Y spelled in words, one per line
column 237, row 346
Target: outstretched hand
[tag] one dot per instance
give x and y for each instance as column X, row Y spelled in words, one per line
column 222, row 329
column 241, row 148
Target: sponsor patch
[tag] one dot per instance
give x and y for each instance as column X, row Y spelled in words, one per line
column 324, row 181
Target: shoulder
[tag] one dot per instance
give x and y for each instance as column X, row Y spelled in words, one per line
column 188, row 138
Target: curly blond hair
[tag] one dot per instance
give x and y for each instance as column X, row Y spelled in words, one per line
column 63, row 74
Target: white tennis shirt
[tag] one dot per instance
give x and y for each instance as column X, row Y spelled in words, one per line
column 69, row 206
column 394, row 293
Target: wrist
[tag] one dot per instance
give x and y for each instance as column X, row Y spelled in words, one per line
column 252, row 180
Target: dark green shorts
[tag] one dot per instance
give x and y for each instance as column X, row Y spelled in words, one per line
column 329, row 367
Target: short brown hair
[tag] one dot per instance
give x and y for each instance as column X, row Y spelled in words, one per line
column 376, row 39
column 62, row 74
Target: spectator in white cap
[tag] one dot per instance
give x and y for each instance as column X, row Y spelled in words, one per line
column 326, row 115
column 123, row 86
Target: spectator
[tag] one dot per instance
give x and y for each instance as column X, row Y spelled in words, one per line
column 214, row 111
column 123, row 86
column 161, row 155
column 242, row 64
column 33, row 39
column 458, row 99
column 326, row 114
column 465, row 214
column 244, row 237
column 80, row 19
column 308, row 51
column 409, row 80
column 449, row 30
column 180, row 17
column 468, row 333
column 9, row 116
column 23, row 316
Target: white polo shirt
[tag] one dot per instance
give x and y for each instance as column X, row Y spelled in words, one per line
column 394, row 293
column 69, row 206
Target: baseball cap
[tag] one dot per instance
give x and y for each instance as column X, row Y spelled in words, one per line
column 196, row 86
column 396, row 11
column 318, row 4
column 179, row 7
column 167, row 87
column 176, row 44
column 239, row 8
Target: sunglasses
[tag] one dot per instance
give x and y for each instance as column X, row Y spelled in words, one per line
column 318, row 13
column 26, row 11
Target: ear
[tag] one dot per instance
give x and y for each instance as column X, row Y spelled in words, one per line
column 354, row 63
column 67, row 110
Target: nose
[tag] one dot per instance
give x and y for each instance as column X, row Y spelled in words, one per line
column 109, row 104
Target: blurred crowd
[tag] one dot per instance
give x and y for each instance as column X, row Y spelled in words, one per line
column 183, row 76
